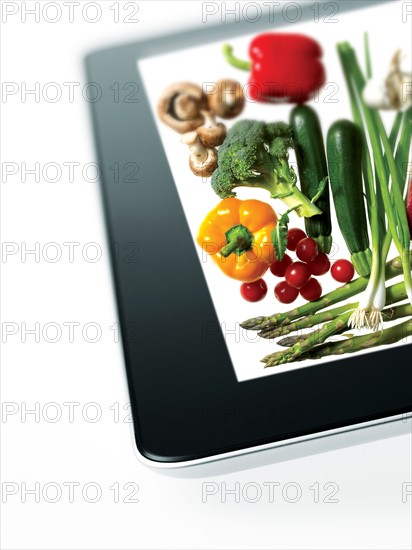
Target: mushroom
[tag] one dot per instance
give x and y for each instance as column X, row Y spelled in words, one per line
column 211, row 133
column 202, row 160
column 227, row 99
column 179, row 106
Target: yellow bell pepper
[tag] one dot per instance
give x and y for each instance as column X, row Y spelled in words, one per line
column 237, row 235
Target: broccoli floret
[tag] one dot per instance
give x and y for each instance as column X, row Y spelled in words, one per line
column 255, row 154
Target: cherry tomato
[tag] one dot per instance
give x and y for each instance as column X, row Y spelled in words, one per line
column 285, row 293
column 311, row 291
column 294, row 236
column 342, row 271
column 254, row 292
column 278, row 268
column 297, row 274
column 306, row 250
column 320, row 265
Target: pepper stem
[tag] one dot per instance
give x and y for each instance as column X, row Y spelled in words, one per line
column 234, row 61
column 239, row 239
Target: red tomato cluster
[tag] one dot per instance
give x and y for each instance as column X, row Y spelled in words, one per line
column 299, row 274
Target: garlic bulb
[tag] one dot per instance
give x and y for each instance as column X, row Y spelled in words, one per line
column 395, row 91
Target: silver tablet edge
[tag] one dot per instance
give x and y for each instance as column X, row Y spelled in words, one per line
column 400, row 418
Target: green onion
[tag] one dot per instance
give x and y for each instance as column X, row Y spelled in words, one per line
column 373, row 299
column 392, row 199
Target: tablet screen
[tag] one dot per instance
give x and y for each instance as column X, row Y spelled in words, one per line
column 204, row 66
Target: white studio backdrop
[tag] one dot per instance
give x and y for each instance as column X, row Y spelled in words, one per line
column 69, row 475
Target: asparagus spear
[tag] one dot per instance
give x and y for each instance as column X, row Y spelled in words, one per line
column 306, row 346
column 392, row 269
column 290, row 341
column 316, row 337
column 394, row 293
column 388, row 314
column 359, row 343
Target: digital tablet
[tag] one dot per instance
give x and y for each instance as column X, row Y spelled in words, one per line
column 254, row 176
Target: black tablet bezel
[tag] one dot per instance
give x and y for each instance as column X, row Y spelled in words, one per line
column 187, row 403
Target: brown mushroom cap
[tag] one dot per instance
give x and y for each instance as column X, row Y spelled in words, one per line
column 179, row 106
column 211, row 133
column 202, row 160
column 206, row 168
column 227, row 99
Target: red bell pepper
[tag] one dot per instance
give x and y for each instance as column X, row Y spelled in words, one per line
column 284, row 67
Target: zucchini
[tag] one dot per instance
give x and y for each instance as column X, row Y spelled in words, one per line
column 344, row 149
column 312, row 168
